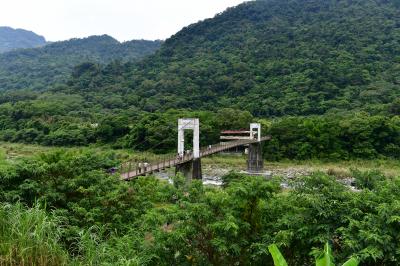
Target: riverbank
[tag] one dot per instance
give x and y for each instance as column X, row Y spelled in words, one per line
column 290, row 169
column 220, row 164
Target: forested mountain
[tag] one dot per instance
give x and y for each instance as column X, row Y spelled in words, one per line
column 39, row 67
column 270, row 57
column 333, row 63
column 11, row 39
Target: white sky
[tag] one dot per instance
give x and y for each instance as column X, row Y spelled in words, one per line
column 122, row 19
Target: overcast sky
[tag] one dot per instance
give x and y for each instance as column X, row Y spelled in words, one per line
column 122, row 19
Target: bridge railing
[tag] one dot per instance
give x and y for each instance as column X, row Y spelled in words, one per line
column 228, row 145
column 135, row 168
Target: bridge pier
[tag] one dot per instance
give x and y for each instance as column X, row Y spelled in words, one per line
column 255, row 162
column 191, row 170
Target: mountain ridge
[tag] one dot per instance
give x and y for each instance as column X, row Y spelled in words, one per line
column 38, row 68
column 12, row 39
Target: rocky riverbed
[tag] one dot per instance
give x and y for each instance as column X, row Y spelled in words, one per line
column 212, row 175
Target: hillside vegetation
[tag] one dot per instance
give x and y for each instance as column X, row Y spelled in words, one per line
column 270, row 57
column 277, row 58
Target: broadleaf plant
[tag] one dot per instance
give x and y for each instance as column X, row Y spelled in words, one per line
column 325, row 259
column 279, row 260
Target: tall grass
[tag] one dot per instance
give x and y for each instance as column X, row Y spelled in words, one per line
column 127, row 250
column 29, row 237
column 32, row 237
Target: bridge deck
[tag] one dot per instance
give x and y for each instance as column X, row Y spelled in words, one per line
column 130, row 170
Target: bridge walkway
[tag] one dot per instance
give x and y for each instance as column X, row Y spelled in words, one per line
column 130, row 170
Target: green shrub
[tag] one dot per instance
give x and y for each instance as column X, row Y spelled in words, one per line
column 367, row 179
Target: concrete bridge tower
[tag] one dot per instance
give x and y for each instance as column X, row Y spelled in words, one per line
column 191, row 169
column 255, row 162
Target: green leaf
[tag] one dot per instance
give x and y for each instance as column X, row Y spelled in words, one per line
column 326, row 258
column 279, row 260
column 351, row 262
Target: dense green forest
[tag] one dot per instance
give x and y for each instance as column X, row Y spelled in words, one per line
column 11, row 39
column 323, row 137
column 43, row 68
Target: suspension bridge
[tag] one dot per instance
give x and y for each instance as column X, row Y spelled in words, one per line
column 189, row 162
